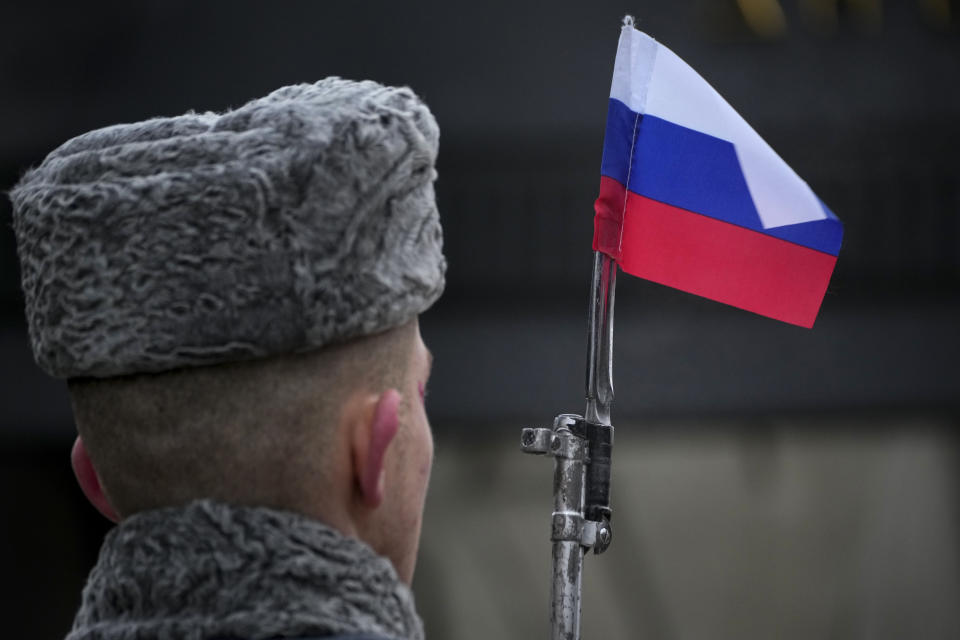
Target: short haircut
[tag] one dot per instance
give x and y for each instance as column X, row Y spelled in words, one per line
column 243, row 432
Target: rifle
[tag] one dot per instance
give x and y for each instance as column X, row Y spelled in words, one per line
column 581, row 447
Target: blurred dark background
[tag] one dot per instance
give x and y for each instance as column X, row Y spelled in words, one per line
column 771, row 481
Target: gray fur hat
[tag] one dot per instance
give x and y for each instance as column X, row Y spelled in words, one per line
column 301, row 219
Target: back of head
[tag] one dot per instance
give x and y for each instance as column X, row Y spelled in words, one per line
column 213, row 286
column 253, row 432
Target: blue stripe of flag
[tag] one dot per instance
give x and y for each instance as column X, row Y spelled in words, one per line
column 697, row 172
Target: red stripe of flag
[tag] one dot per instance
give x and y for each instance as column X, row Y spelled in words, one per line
column 712, row 258
column 609, row 208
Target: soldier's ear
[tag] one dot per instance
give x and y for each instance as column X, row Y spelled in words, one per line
column 89, row 481
column 371, row 438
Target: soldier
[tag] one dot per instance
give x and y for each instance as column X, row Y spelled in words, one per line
column 233, row 301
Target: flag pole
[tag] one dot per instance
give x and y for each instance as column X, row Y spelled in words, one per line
column 581, row 447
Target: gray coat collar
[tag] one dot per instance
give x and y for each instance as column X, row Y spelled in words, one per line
column 211, row 570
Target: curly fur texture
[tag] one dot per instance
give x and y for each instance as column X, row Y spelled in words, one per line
column 209, row 570
column 300, row 219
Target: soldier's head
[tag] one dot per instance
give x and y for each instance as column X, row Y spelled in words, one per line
column 233, row 300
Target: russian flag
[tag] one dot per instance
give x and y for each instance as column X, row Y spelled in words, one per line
column 693, row 198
